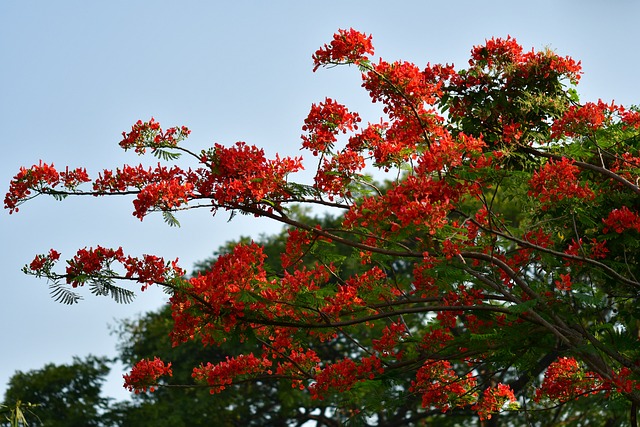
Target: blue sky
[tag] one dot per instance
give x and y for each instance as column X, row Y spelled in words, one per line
column 75, row 74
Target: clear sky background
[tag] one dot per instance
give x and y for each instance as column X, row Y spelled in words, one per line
column 75, row 74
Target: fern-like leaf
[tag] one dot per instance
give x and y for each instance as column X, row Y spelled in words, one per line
column 301, row 190
column 63, row 294
column 106, row 288
column 165, row 155
column 170, row 219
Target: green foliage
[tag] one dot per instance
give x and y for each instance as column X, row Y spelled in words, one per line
column 63, row 294
column 170, row 219
column 60, row 395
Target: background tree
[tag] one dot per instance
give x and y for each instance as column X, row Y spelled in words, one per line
column 497, row 269
column 61, row 395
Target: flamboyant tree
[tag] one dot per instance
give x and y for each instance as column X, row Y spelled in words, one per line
column 497, row 264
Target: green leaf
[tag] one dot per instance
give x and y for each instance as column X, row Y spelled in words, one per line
column 63, row 294
column 302, row 190
column 103, row 287
column 165, row 155
column 524, row 306
column 170, row 219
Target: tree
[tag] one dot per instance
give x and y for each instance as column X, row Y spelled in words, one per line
column 59, row 395
column 498, row 265
column 244, row 404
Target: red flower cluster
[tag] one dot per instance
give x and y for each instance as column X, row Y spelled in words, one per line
column 348, row 46
column 150, row 135
column 592, row 249
column 324, row 122
column 145, row 375
column 297, row 365
column 224, row 373
column 565, row 380
column 342, row 375
column 493, row 400
column 508, row 55
column 441, row 387
column 242, row 175
column 392, row 335
column 564, row 284
column 343, row 301
column 217, row 293
column 336, row 173
column 556, row 181
column 91, row 263
column 165, row 195
column 401, row 87
column 151, row 270
column 622, row 382
column 417, row 200
column 43, row 263
column 496, row 51
column 620, row 220
column 584, row 119
column 40, row 178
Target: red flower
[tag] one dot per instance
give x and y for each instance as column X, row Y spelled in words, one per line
column 150, row 135
column 36, row 178
column 564, row 284
column 324, row 122
column 565, row 380
column 347, row 46
column 493, row 400
column 220, row 375
column 145, row 374
column 620, row 220
column 556, row 181
column 43, row 262
column 441, row 387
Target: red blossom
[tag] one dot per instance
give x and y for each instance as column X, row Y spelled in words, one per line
column 403, row 88
column 35, row 178
column 564, row 283
column 620, row 220
column 558, row 180
column 493, row 400
column 217, row 294
column 392, row 335
column 165, row 195
column 151, row 269
column 149, row 134
column 337, row 172
column 145, row 375
column 224, row 373
column 342, row 375
column 347, row 46
column 241, row 174
column 43, row 262
column 630, row 118
column 324, row 122
column 622, row 382
column 441, row 387
column 90, row 262
column 584, row 119
column 565, row 380
column 298, row 363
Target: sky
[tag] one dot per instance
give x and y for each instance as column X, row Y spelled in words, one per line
column 76, row 74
